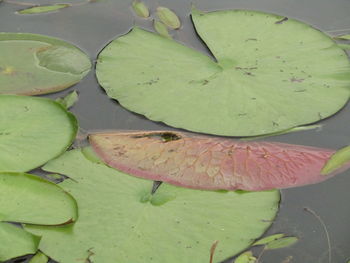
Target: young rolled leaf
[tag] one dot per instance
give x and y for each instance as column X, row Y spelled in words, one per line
column 118, row 213
column 39, row 257
column 32, row 132
column 212, row 163
column 33, row 64
column 337, row 160
column 168, row 17
column 268, row 239
column 15, row 242
column 42, row 9
column 69, row 100
column 270, row 74
column 161, row 29
column 281, row 243
column 140, row 9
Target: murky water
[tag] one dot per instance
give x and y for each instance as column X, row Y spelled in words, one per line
column 93, row 25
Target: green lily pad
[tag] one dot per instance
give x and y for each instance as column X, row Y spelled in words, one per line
column 271, row 74
column 121, row 221
column 32, row 132
column 16, row 242
column 42, row 9
column 39, row 258
column 25, row 198
column 33, row 64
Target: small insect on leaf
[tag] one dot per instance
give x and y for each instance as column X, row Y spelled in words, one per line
column 161, row 29
column 42, row 9
column 246, row 257
column 343, row 37
column 69, row 100
column 39, row 258
column 268, row 239
column 168, row 17
column 140, row 9
column 281, row 243
column 337, row 160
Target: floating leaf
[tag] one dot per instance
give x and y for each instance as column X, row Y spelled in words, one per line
column 16, row 242
column 118, row 213
column 161, row 29
column 343, row 37
column 212, row 163
column 246, row 257
column 268, row 239
column 69, row 100
column 140, row 9
column 42, row 9
column 90, row 154
column 344, row 46
column 271, row 74
column 168, row 17
column 32, row 131
column 35, row 64
column 26, row 198
column 39, row 258
column 281, row 243
column 337, row 160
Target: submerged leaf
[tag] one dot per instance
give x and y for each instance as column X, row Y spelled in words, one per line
column 161, row 29
column 69, row 100
column 268, row 239
column 337, row 160
column 246, row 257
column 168, row 17
column 16, row 242
column 212, row 163
column 281, row 243
column 140, row 9
column 42, row 9
column 33, row 64
column 343, row 37
column 32, row 132
column 270, row 75
column 39, row 258
column 121, row 221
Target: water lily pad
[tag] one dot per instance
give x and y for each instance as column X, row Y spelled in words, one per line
column 32, row 131
column 212, row 163
column 39, row 258
column 121, row 221
column 25, row 198
column 270, row 74
column 33, row 64
column 42, row 9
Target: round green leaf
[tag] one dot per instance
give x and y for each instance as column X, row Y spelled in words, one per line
column 16, row 242
column 26, row 198
column 33, row 64
column 32, row 131
column 121, row 221
column 271, row 74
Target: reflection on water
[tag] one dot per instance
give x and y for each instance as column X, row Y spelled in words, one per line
column 93, row 25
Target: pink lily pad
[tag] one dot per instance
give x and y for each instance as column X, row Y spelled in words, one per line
column 212, row 163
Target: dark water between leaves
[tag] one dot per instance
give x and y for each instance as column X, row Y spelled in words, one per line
column 92, row 26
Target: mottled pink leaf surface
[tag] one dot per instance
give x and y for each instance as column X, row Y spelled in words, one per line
column 212, row 163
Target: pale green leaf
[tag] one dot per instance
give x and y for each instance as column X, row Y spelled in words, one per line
column 32, row 132
column 337, row 160
column 270, row 74
column 42, row 9
column 246, row 257
column 69, row 100
column 121, row 221
column 140, row 9
column 161, row 29
column 343, row 37
column 168, row 17
column 39, row 258
column 35, row 64
column 281, row 243
column 344, row 46
column 268, row 239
